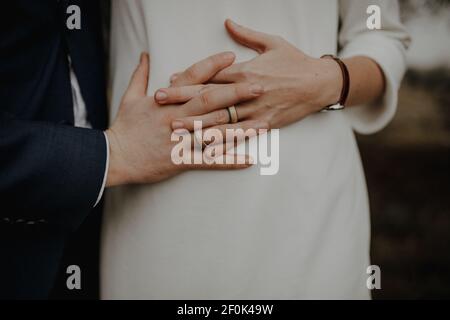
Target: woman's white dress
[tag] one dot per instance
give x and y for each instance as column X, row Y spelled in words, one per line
column 302, row 233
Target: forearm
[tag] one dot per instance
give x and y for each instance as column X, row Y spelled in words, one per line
column 366, row 80
column 58, row 170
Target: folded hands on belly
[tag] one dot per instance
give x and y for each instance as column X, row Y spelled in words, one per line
column 279, row 86
column 295, row 84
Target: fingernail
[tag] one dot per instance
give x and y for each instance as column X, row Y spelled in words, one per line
column 143, row 55
column 234, row 24
column 256, row 89
column 177, row 124
column 161, row 95
column 173, row 78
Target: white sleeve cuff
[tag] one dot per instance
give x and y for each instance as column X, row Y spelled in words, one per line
column 106, row 171
column 390, row 56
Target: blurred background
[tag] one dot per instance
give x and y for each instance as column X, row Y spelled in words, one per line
column 407, row 166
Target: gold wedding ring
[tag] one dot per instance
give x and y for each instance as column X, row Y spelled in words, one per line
column 233, row 114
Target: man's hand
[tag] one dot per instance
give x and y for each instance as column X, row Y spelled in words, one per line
column 140, row 143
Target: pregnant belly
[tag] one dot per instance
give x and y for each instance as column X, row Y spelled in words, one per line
column 226, row 234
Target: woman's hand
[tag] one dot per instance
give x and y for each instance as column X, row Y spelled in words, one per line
column 295, row 84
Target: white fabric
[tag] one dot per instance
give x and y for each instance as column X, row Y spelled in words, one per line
column 303, row 233
column 105, row 175
column 386, row 47
column 80, row 120
column 79, row 106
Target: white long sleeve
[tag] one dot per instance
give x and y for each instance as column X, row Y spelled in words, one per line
column 386, row 46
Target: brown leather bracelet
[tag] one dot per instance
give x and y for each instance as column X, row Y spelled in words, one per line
column 345, row 84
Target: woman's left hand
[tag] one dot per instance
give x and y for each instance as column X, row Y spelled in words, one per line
column 295, row 84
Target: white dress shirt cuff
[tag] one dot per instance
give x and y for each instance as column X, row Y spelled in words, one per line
column 106, row 171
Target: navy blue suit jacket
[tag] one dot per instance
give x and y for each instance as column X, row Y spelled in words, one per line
column 50, row 172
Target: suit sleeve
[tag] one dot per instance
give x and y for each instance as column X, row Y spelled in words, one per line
column 49, row 172
column 386, row 46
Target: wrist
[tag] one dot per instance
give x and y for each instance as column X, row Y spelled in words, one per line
column 117, row 167
column 332, row 83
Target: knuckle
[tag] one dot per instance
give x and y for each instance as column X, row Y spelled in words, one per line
column 221, row 117
column 238, row 91
column 247, row 72
column 204, row 88
column 205, row 99
column 191, row 73
column 243, row 91
column 243, row 74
